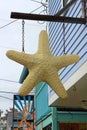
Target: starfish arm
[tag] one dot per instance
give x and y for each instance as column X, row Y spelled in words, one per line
column 55, row 83
column 43, row 43
column 29, row 83
column 19, row 57
column 63, row 61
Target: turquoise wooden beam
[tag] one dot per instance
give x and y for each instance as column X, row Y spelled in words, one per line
column 23, row 75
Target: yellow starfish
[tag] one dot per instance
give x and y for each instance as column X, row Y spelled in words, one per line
column 43, row 66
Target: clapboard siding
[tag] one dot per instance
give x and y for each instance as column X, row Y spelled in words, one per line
column 55, row 5
column 75, row 37
column 72, row 12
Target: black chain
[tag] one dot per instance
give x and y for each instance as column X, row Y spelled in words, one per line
column 23, row 36
column 64, row 40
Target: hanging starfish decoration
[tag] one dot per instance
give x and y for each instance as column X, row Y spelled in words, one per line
column 43, row 66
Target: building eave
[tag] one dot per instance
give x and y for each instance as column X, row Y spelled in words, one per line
column 76, row 86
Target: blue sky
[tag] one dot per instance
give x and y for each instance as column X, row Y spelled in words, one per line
column 11, row 39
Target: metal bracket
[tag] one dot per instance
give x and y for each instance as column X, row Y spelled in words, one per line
column 50, row 18
column 55, row 18
column 84, row 9
column 65, row 8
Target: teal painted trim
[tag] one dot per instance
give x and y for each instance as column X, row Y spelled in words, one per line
column 72, row 117
column 40, row 89
column 54, row 119
column 58, row 126
column 45, row 122
column 38, row 86
column 38, row 127
column 23, row 75
column 42, row 118
column 73, row 112
column 41, row 102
